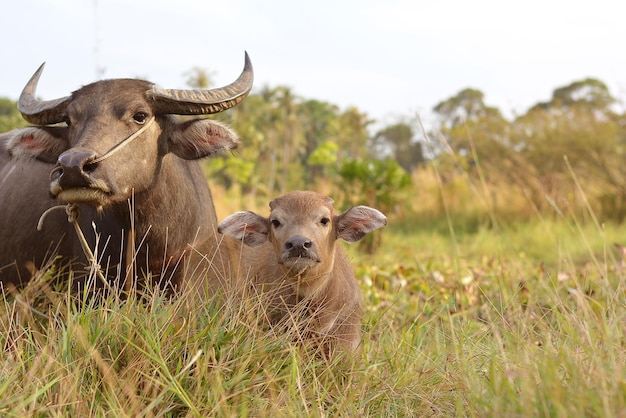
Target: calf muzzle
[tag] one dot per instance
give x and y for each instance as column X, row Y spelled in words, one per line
column 298, row 246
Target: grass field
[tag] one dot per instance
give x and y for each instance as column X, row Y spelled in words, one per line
column 514, row 321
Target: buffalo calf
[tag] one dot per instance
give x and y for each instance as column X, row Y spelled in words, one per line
column 292, row 254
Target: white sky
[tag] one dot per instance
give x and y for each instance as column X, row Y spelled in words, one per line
column 389, row 58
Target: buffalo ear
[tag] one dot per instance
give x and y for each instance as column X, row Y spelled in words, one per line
column 201, row 138
column 356, row 222
column 246, row 226
column 42, row 143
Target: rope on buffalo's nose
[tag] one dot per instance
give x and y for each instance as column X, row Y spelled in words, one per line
column 124, row 142
column 72, row 211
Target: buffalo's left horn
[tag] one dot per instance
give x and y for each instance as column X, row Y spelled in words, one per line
column 204, row 102
column 40, row 112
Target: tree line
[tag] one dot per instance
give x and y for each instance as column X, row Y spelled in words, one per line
column 567, row 152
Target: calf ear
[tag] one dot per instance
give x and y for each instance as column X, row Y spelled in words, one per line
column 45, row 144
column 248, row 227
column 356, row 222
column 201, row 138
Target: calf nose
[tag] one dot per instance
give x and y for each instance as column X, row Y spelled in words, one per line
column 74, row 167
column 298, row 245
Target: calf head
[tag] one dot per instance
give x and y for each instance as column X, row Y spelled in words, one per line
column 302, row 228
column 111, row 136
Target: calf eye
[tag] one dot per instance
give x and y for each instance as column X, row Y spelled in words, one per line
column 140, row 117
column 275, row 223
column 325, row 221
column 66, row 119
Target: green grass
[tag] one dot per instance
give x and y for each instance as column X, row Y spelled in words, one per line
column 516, row 321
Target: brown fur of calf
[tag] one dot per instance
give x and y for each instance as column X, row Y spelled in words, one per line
column 292, row 257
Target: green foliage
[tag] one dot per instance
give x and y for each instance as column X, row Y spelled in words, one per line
column 290, row 142
column 552, row 153
column 590, row 93
column 374, row 182
column 10, row 117
column 377, row 183
column 400, row 140
column 325, row 158
column 199, row 78
column 325, row 154
column 353, row 134
column 467, row 105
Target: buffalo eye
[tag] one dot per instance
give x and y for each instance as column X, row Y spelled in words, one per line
column 275, row 223
column 140, row 117
column 325, row 221
column 67, row 121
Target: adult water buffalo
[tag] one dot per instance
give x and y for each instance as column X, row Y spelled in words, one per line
column 114, row 150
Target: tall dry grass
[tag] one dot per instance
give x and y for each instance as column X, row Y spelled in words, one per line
column 484, row 332
column 465, row 316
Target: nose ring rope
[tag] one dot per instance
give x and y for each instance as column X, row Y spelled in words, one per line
column 124, row 142
column 72, row 209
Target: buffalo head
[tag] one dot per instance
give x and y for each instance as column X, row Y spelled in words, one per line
column 111, row 137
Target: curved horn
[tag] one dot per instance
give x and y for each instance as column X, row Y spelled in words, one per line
column 40, row 112
column 204, row 102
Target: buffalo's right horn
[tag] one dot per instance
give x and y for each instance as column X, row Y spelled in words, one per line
column 204, row 102
column 40, row 112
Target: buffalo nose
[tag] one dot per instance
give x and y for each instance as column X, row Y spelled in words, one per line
column 75, row 166
column 298, row 244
